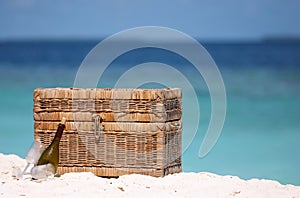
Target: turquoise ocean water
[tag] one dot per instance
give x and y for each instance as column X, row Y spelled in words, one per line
column 261, row 135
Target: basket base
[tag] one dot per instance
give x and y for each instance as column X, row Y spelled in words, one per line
column 116, row 172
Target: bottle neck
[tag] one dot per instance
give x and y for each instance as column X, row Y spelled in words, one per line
column 59, row 132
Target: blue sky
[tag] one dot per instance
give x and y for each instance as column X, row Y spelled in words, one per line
column 210, row 19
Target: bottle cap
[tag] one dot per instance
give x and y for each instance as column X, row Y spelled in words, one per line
column 63, row 120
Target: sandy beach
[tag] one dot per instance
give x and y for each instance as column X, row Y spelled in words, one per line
column 178, row 185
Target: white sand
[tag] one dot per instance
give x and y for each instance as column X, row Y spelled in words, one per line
column 177, row 185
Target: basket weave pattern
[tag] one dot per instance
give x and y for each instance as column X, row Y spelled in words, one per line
column 141, row 129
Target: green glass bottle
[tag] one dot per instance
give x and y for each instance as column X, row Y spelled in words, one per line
column 51, row 154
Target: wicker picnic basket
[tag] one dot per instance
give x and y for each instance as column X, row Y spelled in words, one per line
column 112, row 132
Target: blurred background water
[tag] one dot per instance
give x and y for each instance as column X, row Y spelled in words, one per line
column 261, row 135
